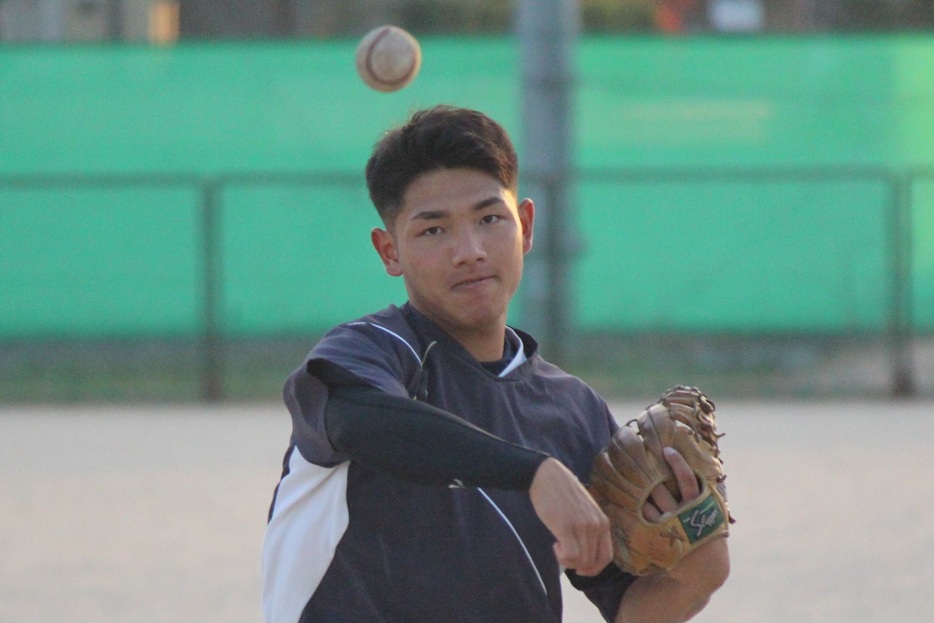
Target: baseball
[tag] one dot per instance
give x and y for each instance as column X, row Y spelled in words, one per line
column 388, row 58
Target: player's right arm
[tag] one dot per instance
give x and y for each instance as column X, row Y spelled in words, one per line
column 581, row 529
column 420, row 443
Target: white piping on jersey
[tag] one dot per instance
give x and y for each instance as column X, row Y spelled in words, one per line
column 392, row 333
column 518, row 538
column 519, row 358
column 517, row 361
column 425, row 356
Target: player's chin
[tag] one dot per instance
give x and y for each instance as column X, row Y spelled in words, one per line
column 478, row 320
column 477, row 317
column 493, row 293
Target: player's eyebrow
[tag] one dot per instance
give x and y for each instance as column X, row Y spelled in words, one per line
column 480, row 205
column 430, row 215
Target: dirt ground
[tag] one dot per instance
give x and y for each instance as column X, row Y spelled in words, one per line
column 156, row 514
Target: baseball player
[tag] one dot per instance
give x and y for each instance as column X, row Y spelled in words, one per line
column 435, row 464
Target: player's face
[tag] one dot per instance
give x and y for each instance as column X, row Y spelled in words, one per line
column 459, row 243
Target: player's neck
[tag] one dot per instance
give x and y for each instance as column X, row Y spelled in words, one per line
column 484, row 344
column 484, row 340
column 489, row 350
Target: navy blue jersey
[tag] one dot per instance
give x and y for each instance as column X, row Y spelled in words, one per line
column 346, row 543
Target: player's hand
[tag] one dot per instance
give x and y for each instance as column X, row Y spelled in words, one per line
column 581, row 530
column 662, row 501
column 707, row 567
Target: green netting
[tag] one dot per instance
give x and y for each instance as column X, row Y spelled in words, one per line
column 100, row 262
column 729, row 256
column 297, row 255
column 208, row 108
column 811, row 252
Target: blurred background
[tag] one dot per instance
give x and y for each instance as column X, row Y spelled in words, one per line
column 737, row 194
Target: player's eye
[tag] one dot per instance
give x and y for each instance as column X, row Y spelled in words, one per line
column 432, row 231
column 489, row 219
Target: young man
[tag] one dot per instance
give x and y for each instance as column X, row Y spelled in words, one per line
column 435, row 465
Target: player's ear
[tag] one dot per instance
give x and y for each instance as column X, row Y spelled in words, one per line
column 385, row 246
column 526, row 210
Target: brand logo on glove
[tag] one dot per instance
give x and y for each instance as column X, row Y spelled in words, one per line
column 701, row 520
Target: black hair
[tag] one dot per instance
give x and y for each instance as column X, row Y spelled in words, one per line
column 442, row 137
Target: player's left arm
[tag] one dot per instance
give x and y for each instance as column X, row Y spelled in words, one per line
column 679, row 594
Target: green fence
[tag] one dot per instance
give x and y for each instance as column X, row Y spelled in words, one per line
column 214, row 192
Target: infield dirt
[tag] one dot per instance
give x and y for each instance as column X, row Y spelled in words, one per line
column 136, row 513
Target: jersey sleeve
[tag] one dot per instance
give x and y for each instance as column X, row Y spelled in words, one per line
column 369, row 353
column 419, row 443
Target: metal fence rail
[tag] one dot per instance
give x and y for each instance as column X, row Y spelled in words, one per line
column 899, row 332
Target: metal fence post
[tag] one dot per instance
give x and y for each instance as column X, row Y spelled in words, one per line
column 903, row 382
column 212, row 389
column 547, row 31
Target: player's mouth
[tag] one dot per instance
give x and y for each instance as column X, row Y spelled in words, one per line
column 473, row 282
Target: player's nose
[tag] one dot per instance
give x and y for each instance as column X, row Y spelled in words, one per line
column 468, row 248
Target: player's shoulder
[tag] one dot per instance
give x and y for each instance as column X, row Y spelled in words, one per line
column 387, row 329
column 375, row 345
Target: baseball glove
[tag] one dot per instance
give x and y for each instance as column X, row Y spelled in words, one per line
column 625, row 473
